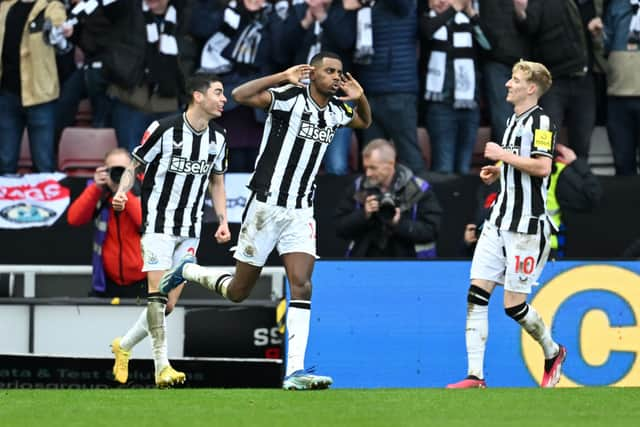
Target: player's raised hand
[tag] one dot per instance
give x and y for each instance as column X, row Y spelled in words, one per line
column 297, row 74
column 351, row 88
column 223, row 235
column 119, row 201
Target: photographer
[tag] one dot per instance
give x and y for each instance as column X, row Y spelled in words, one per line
column 389, row 212
column 117, row 257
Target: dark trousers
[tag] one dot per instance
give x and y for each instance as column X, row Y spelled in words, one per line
column 395, row 116
column 495, row 76
column 623, row 127
column 85, row 82
column 130, row 123
column 571, row 102
column 40, row 123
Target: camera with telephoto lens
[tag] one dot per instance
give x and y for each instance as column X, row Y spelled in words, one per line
column 115, row 173
column 387, row 202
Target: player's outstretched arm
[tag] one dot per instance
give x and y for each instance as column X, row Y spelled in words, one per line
column 126, row 183
column 354, row 92
column 219, row 198
column 254, row 92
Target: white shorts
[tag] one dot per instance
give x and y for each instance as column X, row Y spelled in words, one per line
column 510, row 258
column 160, row 252
column 265, row 227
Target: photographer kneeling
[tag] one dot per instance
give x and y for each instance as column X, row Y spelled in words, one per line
column 388, row 212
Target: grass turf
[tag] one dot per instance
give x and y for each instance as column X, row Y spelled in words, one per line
column 275, row 408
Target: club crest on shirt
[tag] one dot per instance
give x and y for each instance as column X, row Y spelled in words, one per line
column 249, row 251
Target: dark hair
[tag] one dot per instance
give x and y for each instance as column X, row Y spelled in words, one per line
column 318, row 57
column 200, row 82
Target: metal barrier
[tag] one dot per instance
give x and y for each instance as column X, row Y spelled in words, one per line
column 30, row 272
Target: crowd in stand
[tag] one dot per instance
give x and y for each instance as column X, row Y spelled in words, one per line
column 434, row 64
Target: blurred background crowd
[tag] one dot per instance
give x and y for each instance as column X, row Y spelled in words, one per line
column 433, row 70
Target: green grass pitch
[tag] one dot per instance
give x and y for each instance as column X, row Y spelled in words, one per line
column 597, row 406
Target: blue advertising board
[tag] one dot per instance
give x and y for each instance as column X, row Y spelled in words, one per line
column 401, row 324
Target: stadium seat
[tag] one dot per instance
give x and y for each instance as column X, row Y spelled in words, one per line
column 82, row 150
column 25, row 164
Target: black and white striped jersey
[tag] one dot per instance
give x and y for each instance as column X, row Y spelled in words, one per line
column 178, row 163
column 296, row 135
column 522, row 200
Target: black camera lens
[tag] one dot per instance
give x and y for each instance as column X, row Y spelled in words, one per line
column 387, row 207
column 115, row 173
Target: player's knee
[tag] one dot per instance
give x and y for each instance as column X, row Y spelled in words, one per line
column 517, row 312
column 301, row 289
column 478, row 296
column 237, row 295
column 169, row 308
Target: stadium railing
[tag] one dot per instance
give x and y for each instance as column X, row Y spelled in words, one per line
column 31, row 272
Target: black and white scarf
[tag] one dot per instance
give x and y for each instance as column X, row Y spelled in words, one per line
column 634, row 25
column 246, row 47
column 162, row 51
column 363, row 53
column 163, row 34
column 316, row 46
column 281, row 8
column 459, row 37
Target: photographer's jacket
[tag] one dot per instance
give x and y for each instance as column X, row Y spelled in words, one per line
column 417, row 229
column 120, row 248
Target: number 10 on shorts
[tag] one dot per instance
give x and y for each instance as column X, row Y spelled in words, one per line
column 525, row 265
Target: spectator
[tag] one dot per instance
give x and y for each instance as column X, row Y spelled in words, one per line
column 623, row 91
column 388, row 212
column 451, row 34
column 509, row 45
column 385, row 54
column 92, row 35
column 29, row 80
column 310, row 27
column 238, row 49
column 117, row 257
column 567, row 38
column 145, row 63
column 573, row 187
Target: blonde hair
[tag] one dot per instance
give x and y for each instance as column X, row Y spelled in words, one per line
column 536, row 73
